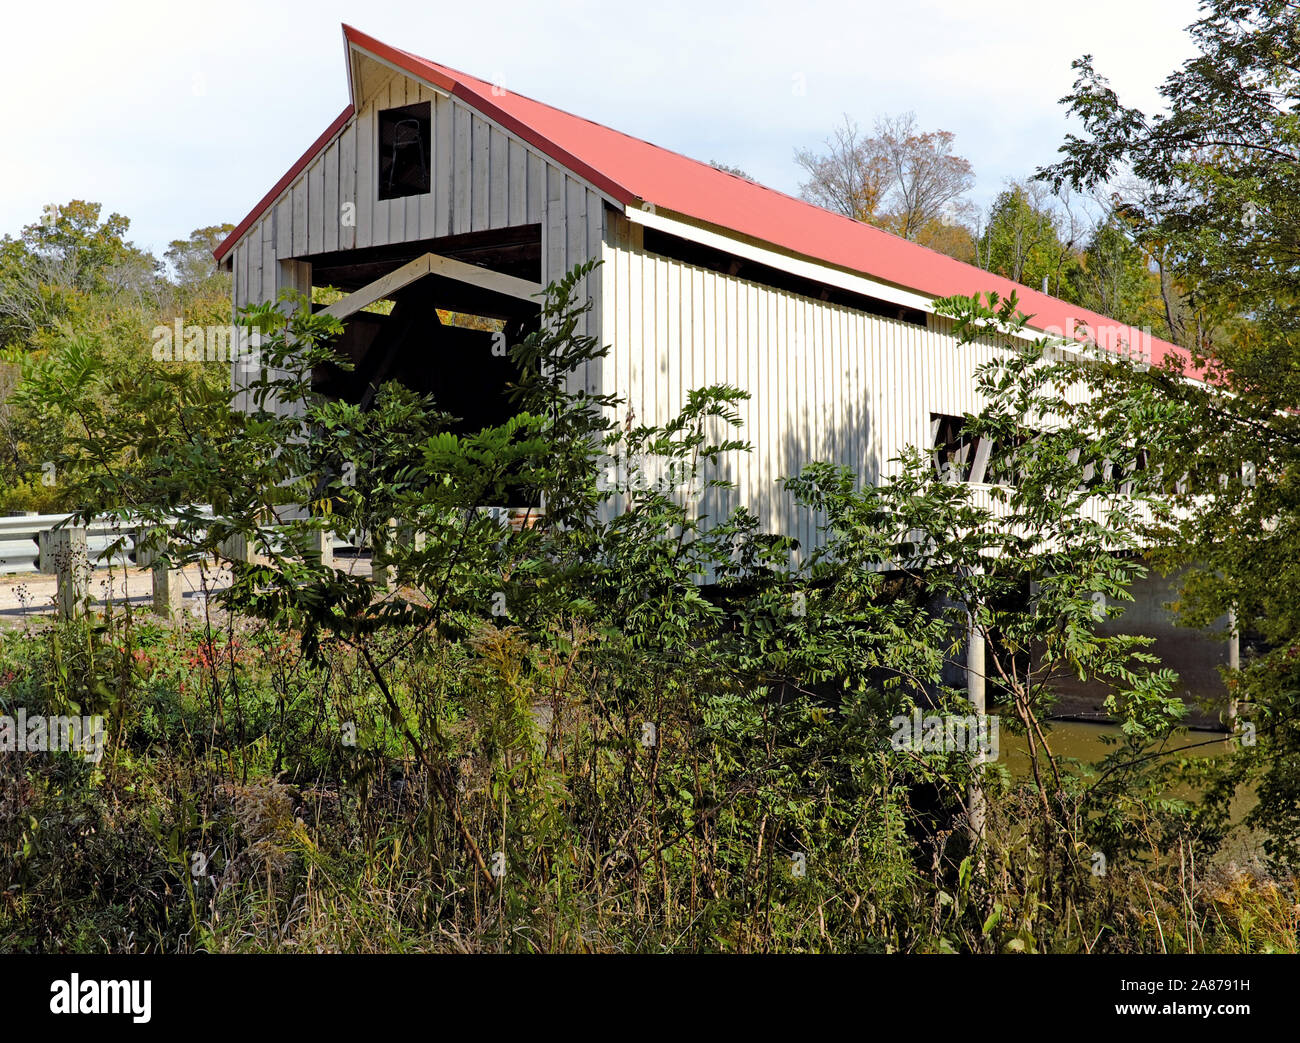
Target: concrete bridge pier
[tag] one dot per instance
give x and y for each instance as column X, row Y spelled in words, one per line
column 1234, row 665
column 1191, row 653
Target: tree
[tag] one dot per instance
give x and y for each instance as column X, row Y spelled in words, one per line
column 191, row 259
column 605, row 620
column 73, row 288
column 952, row 238
column 1023, row 240
column 849, row 178
column 902, row 179
column 1024, row 569
column 636, row 715
column 1214, row 195
column 58, row 264
column 1114, row 278
column 1216, row 204
column 727, row 169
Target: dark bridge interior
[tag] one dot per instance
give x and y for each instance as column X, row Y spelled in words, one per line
column 513, row 251
column 459, row 356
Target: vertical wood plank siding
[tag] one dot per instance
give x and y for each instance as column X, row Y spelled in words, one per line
column 826, row 382
column 483, row 178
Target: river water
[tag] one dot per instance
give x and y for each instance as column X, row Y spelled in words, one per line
column 1083, row 741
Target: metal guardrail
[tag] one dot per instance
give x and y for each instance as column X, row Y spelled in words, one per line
column 23, row 540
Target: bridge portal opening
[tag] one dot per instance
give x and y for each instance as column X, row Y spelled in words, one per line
column 437, row 317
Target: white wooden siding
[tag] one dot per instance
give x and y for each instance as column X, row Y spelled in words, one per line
column 483, row 177
column 826, row 382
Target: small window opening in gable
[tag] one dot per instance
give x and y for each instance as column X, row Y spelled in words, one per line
column 404, row 150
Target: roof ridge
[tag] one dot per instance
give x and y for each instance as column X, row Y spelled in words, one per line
column 857, row 223
column 671, row 181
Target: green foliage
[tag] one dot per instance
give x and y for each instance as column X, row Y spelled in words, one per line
column 1114, row 278
column 1022, row 242
column 75, row 293
column 617, row 724
column 1213, row 200
column 1210, row 183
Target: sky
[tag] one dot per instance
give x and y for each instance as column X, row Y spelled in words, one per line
column 180, row 116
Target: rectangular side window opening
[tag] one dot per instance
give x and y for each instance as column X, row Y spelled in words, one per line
column 405, row 154
column 958, row 455
column 1003, row 468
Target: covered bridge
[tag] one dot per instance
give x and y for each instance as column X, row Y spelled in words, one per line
column 438, row 190
column 435, row 187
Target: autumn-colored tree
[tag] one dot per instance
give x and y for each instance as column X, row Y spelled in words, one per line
column 902, row 179
column 848, row 177
column 953, row 238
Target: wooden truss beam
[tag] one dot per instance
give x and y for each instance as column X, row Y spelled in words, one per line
column 434, row 264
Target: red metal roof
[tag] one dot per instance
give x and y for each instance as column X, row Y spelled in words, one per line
column 635, row 171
